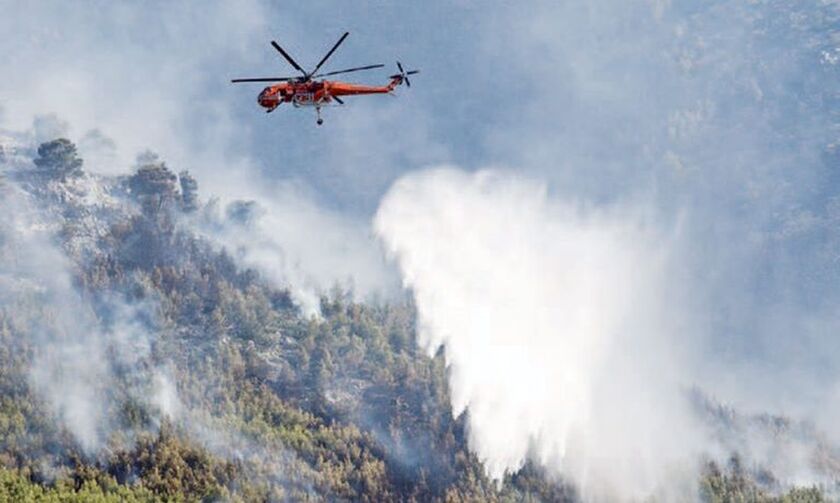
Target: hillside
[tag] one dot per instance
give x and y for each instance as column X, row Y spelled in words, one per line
column 140, row 361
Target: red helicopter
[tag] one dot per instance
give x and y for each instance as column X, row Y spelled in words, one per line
column 306, row 91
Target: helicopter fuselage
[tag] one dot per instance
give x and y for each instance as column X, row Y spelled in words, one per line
column 316, row 93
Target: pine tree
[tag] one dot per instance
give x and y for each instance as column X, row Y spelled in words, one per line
column 189, row 192
column 59, row 159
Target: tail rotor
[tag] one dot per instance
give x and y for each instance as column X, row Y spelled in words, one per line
column 403, row 75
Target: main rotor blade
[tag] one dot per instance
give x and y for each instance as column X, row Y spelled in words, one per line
column 325, row 58
column 412, row 72
column 264, row 79
column 400, row 67
column 288, row 58
column 369, row 67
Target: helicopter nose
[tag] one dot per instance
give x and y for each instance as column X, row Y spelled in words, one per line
column 265, row 99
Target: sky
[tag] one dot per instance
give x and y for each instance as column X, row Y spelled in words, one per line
column 715, row 120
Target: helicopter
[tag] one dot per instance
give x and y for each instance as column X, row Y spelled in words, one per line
column 307, row 91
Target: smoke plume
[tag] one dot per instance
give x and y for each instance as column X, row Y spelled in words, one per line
column 83, row 349
column 297, row 244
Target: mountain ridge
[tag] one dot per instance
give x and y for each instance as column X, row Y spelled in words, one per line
column 198, row 379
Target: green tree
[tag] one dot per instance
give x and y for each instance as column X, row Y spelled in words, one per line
column 189, row 192
column 59, row 159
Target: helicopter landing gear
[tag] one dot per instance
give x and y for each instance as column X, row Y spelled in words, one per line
column 320, row 120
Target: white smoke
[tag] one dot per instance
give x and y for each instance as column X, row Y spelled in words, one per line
column 77, row 351
column 67, row 369
column 70, row 376
column 558, row 323
column 297, row 244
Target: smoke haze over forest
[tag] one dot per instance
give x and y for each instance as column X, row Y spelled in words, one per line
column 591, row 253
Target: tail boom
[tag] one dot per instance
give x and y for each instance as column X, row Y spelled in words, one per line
column 347, row 89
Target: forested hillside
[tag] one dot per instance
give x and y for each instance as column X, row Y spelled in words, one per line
column 163, row 370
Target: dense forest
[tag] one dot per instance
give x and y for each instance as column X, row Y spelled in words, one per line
column 202, row 381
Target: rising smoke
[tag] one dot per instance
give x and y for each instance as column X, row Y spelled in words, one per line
column 296, row 244
column 83, row 349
